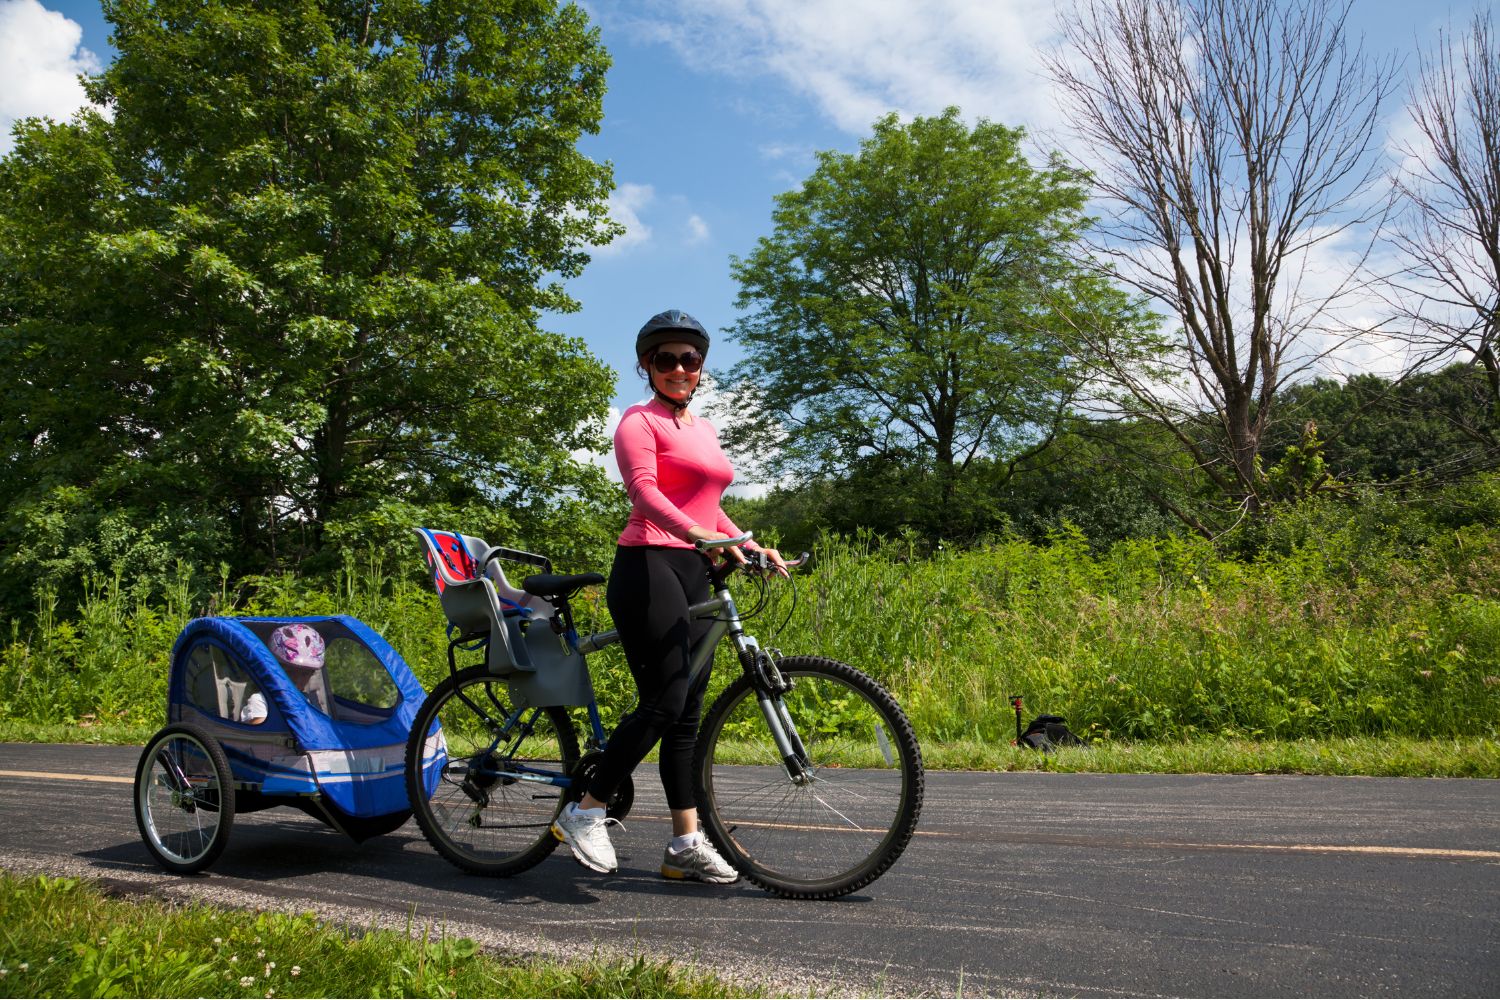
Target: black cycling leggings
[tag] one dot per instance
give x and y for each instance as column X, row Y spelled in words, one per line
column 649, row 592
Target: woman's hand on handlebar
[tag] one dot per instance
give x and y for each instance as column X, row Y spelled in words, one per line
column 759, row 560
column 699, row 534
column 767, row 560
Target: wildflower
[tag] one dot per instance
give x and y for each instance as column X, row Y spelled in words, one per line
column 104, row 940
column 1491, row 681
column 270, row 965
column 261, row 953
column 50, row 959
column 1425, row 673
column 218, row 940
column 267, row 973
column 296, row 970
column 247, row 980
column 4, row 973
column 234, row 958
column 24, row 966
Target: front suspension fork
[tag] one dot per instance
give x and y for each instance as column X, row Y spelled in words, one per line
column 770, row 686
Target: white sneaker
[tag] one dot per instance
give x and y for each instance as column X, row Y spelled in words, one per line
column 585, row 834
column 699, row 862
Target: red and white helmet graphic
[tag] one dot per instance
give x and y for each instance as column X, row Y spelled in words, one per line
column 298, row 646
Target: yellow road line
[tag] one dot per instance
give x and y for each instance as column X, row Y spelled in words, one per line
column 1413, row 852
column 67, row 777
column 1161, row 845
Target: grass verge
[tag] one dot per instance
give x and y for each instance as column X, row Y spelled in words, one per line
column 1361, row 755
column 111, row 733
column 65, row 937
column 1386, row 757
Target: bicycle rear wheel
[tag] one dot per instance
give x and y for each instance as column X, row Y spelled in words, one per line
column 844, row 823
column 479, row 776
column 184, row 798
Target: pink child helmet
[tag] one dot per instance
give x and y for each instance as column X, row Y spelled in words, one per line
column 298, row 646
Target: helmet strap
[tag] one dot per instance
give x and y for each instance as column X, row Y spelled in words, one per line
column 674, row 404
column 668, row 401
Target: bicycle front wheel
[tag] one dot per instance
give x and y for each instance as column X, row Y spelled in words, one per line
column 482, row 779
column 850, row 809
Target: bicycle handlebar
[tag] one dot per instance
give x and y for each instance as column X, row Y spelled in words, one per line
column 703, row 544
column 756, row 559
column 753, row 557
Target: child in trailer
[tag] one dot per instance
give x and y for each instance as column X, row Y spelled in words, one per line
column 299, row 649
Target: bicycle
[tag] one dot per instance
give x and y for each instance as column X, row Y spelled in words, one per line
column 809, row 776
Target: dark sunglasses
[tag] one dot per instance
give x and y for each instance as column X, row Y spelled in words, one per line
column 666, row 361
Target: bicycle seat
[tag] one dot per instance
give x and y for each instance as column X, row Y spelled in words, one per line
column 550, row 585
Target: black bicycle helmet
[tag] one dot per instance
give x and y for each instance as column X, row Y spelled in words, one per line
column 669, row 326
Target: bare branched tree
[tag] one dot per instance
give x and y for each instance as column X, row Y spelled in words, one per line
column 1451, row 184
column 1231, row 140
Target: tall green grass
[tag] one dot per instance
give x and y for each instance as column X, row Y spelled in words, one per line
column 1163, row 638
column 1150, row 639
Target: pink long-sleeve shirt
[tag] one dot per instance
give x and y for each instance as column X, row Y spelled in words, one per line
column 675, row 474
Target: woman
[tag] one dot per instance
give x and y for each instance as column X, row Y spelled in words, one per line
column 675, row 473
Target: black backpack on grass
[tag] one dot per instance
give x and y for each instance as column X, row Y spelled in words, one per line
column 1047, row 732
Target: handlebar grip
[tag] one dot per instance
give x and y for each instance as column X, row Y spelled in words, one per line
column 703, row 544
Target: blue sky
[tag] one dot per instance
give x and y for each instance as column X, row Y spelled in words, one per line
column 714, row 107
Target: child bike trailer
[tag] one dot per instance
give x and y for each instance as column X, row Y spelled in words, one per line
column 312, row 713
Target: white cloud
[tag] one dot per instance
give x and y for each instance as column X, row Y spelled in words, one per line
column 780, row 150
column 626, row 202
column 697, row 230
column 40, row 60
column 857, row 61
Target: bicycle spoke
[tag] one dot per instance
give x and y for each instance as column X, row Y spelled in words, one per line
column 840, row 815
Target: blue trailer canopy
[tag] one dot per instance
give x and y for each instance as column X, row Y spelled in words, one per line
column 340, row 730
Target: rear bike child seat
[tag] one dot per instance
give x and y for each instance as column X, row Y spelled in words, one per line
column 513, row 626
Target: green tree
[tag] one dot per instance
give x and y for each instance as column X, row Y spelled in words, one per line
column 287, row 294
column 1424, row 429
column 907, row 314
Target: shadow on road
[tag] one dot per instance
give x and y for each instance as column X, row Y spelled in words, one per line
column 297, row 858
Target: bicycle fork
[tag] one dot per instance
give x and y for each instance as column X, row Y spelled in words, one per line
column 769, row 685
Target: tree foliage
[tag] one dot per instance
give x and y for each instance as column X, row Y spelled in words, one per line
column 903, row 321
column 1426, row 429
column 286, row 295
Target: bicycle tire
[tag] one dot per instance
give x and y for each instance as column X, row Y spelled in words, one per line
column 184, row 798
column 478, row 815
column 840, row 830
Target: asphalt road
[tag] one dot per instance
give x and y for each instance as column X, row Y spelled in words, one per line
column 1038, row 884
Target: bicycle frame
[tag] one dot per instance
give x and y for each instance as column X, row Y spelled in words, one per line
column 721, row 611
